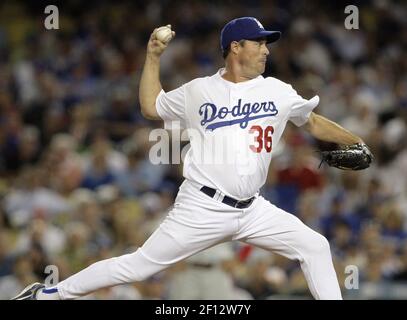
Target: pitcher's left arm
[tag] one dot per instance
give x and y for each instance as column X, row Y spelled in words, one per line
column 327, row 130
column 355, row 155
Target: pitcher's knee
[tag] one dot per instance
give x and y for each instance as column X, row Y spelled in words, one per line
column 131, row 268
column 317, row 244
column 323, row 244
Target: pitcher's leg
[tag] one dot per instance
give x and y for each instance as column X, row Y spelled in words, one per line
column 119, row 270
column 274, row 229
column 159, row 252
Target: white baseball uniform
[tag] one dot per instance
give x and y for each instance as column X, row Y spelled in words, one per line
column 249, row 117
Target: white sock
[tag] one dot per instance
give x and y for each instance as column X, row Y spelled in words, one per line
column 50, row 293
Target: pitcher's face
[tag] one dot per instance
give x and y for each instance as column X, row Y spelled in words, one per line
column 252, row 57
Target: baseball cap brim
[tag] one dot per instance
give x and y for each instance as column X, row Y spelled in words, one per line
column 271, row 36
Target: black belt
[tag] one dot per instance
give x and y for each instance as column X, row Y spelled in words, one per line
column 240, row 204
column 202, row 265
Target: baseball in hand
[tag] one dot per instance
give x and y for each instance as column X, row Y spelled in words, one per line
column 164, row 34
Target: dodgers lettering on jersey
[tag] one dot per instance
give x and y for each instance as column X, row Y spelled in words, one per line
column 242, row 114
column 243, row 122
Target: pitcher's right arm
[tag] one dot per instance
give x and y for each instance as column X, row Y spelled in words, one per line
column 150, row 85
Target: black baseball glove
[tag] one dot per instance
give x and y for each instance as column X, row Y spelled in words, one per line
column 352, row 157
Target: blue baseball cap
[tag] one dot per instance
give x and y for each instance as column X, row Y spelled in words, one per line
column 245, row 28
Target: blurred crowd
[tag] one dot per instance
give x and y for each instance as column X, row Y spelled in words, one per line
column 76, row 183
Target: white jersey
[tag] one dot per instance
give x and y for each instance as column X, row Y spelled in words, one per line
column 233, row 128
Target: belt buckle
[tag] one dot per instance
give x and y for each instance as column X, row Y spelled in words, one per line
column 239, row 202
column 248, row 202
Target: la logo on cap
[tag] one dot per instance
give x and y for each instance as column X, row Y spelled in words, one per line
column 258, row 23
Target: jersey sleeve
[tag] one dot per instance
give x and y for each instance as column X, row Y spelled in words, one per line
column 171, row 107
column 301, row 108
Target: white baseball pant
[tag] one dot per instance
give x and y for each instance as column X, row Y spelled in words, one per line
column 197, row 222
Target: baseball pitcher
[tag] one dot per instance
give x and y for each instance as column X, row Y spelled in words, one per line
column 220, row 201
